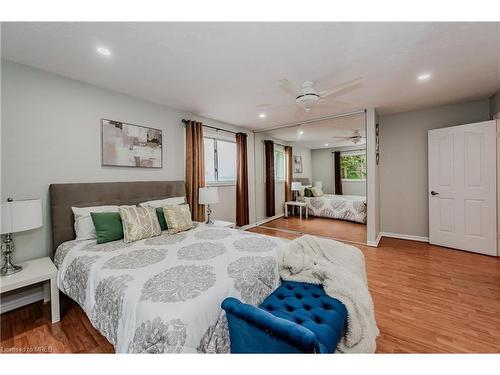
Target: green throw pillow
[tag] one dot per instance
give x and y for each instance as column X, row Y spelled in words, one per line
column 308, row 193
column 108, row 226
column 161, row 218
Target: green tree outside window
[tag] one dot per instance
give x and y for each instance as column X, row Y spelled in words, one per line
column 353, row 167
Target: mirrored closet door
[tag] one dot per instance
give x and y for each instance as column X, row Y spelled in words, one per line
column 311, row 179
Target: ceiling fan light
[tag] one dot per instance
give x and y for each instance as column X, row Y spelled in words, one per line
column 307, row 101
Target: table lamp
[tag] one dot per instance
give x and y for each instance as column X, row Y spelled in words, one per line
column 18, row 216
column 295, row 188
column 208, row 196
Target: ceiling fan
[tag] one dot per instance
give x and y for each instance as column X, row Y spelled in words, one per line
column 307, row 97
column 355, row 138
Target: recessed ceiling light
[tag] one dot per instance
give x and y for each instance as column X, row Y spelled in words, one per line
column 104, row 51
column 301, row 132
column 424, row 76
column 326, row 144
column 262, row 115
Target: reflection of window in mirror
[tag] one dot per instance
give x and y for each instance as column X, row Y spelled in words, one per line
column 279, row 165
column 353, row 165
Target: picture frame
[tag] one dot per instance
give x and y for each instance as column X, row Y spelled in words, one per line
column 297, row 164
column 125, row 144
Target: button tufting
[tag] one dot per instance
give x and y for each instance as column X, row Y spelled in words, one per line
column 307, row 307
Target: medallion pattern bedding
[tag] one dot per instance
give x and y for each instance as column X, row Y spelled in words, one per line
column 163, row 294
column 343, row 207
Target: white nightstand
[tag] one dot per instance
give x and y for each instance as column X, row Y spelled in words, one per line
column 225, row 224
column 35, row 271
column 300, row 205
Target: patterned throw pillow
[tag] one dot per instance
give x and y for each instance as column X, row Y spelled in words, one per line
column 178, row 218
column 316, row 192
column 139, row 223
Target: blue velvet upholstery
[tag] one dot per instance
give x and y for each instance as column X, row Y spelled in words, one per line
column 295, row 318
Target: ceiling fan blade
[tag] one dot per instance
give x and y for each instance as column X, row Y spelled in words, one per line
column 290, row 87
column 343, row 88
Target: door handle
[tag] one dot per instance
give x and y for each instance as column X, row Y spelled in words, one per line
column 434, row 192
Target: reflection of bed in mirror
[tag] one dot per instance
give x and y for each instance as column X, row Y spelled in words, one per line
column 332, row 206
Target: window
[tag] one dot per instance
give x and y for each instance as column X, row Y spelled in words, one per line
column 353, row 165
column 279, row 165
column 220, row 161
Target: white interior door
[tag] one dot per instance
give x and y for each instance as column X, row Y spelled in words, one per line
column 462, row 187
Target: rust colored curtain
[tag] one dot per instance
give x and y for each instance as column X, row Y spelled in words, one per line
column 338, row 176
column 289, row 173
column 269, row 151
column 242, row 213
column 195, row 168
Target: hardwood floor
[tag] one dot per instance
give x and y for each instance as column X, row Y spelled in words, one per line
column 29, row 328
column 339, row 229
column 427, row 299
column 431, row 299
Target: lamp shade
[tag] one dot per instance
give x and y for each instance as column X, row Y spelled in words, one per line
column 18, row 216
column 208, row 195
column 318, row 184
column 296, row 186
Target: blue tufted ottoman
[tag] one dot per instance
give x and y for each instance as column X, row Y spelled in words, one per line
column 295, row 318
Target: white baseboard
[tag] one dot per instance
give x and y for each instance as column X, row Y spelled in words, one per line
column 404, row 236
column 21, row 299
column 376, row 242
column 260, row 222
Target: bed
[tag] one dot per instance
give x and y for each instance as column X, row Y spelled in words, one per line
column 343, row 207
column 162, row 294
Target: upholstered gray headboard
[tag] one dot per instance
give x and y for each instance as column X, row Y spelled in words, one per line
column 65, row 196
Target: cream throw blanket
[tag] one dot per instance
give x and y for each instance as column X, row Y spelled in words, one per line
column 340, row 268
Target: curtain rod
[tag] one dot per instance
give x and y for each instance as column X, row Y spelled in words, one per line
column 356, row 149
column 184, row 121
column 276, row 143
column 310, row 121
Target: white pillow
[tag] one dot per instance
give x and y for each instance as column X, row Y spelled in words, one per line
column 164, row 202
column 84, row 226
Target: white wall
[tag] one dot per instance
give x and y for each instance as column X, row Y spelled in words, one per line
column 403, row 162
column 495, row 105
column 373, row 180
column 354, row 188
column 306, row 162
column 323, row 169
column 51, row 134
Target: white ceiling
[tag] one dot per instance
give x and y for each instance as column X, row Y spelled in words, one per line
column 316, row 135
column 229, row 71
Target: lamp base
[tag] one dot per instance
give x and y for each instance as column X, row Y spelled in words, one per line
column 8, row 268
column 209, row 219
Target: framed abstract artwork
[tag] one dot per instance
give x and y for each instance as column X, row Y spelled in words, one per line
column 297, row 164
column 130, row 145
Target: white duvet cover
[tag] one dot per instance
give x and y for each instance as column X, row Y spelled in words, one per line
column 163, row 294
